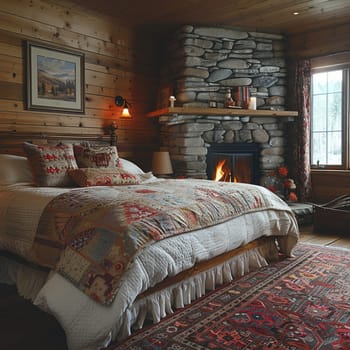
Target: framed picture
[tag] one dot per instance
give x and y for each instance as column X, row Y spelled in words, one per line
column 55, row 79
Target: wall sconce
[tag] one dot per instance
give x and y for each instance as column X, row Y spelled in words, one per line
column 161, row 164
column 121, row 102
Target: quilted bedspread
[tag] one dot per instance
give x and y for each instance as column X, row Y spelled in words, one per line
column 90, row 235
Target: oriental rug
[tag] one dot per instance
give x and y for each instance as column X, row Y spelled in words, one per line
column 296, row 303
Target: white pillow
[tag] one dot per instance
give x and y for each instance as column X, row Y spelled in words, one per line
column 130, row 166
column 14, row 169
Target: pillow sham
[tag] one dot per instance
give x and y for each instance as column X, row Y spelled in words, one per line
column 86, row 177
column 50, row 163
column 14, row 169
column 96, row 157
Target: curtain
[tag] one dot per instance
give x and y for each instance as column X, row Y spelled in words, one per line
column 301, row 149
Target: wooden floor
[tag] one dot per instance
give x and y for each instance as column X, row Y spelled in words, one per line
column 307, row 235
column 24, row 327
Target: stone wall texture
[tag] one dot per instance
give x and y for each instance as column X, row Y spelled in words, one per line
column 203, row 62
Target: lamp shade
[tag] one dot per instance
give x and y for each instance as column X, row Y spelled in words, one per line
column 126, row 113
column 161, row 164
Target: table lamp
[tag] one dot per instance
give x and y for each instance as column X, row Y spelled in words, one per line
column 161, row 163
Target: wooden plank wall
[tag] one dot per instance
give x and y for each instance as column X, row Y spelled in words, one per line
column 320, row 43
column 326, row 185
column 329, row 185
column 118, row 61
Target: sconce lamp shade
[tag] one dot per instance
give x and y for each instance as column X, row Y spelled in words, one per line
column 121, row 102
column 161, row 164
column 126, row 113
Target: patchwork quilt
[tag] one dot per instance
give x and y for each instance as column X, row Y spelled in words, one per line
column 91, row 235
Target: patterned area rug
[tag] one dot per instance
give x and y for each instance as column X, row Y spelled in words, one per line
column 296, row 303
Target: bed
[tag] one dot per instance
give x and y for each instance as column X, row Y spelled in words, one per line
column 161, row 251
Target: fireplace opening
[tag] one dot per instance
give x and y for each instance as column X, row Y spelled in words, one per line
column 236, row 162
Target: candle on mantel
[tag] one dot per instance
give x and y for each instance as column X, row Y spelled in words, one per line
column 252, row 103
column 172, row 100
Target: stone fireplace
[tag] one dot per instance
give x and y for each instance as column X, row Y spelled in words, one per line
column 201, row 64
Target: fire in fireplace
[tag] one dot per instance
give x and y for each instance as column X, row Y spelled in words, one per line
column 236, row 162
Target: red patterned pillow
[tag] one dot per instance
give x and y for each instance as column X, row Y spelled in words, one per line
column 50, row 163
column 96, row 157
column 85, row 177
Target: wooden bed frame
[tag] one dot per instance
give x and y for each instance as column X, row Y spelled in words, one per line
column 182, row 276
column 206, row 265
column 11, row 142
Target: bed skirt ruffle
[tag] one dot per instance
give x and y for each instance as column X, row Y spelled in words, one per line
column 158, row 305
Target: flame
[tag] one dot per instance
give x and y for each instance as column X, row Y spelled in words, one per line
column 222, row 173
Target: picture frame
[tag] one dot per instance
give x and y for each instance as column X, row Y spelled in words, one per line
column 55, row 79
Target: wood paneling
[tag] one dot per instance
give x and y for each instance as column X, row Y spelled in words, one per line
column 268, row 15
column 328, row 185
column 113, row 53
column 322, row 42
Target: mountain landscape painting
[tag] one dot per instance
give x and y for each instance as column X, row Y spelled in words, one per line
column 56, row 78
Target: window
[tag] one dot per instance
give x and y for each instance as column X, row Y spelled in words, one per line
column 330, row 146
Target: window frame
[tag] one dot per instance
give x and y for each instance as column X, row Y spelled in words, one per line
column 345, row 117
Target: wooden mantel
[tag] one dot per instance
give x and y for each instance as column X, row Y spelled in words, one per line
column 173, row 111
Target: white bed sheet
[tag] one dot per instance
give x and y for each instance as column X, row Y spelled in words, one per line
column 89, row 325
column 20, row 210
